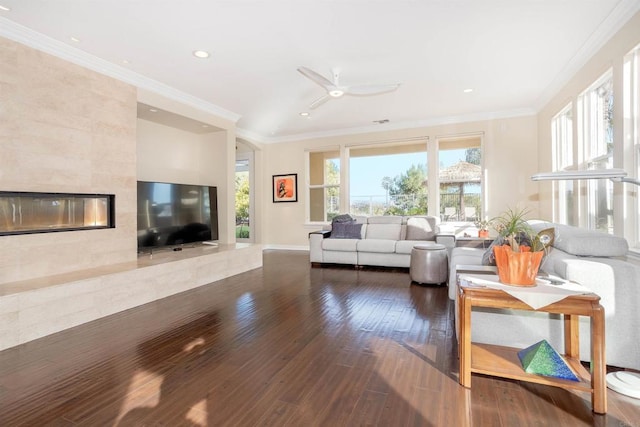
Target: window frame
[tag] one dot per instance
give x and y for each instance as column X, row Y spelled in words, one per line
column 631, row 141
column 432, row 151
column 324, row 186
column 563, row 141
column 595, row 150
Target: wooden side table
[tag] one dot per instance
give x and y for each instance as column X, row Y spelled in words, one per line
column 504, row 362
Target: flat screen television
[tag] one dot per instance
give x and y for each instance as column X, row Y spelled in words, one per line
column 176, row 214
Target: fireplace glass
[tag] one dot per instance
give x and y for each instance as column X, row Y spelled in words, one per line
column 25, row 212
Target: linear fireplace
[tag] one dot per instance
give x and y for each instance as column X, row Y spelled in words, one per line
column 29, row 212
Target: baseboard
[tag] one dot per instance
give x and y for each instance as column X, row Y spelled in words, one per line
column 286, row 247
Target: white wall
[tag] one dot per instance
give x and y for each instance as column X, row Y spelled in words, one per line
column 172, row 155
column 510, row 150
column 224, row 171
column 167, row 154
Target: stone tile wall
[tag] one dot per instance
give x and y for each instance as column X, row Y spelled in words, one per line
column 64, row 128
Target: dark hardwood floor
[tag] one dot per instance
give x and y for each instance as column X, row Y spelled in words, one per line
column 286, row 344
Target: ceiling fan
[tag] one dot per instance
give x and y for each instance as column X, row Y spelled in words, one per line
column 335, row 90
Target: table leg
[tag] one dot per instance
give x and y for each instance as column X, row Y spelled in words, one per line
column 465, row 340
column 598, row 367
column 572, row 336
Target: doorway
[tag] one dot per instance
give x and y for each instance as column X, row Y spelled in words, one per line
column 244, row 197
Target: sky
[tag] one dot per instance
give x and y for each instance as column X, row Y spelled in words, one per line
column 366, row 173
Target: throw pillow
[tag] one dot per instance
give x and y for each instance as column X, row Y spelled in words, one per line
column 489, row 258
column 348, row 230
column 343, row 218
column 421, row 229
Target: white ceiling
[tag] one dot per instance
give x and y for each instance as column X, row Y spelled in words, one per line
column 514, row 54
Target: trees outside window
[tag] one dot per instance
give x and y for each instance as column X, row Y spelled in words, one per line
column 407, row 192
column 242, row 205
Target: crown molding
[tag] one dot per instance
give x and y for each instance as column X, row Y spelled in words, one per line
column 26, row 36
column 620, row 15
column 437, row 121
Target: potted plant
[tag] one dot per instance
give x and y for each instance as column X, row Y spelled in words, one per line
column 519, row 256
column 483, row 227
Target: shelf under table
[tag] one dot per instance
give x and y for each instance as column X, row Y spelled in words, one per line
column 500, row 361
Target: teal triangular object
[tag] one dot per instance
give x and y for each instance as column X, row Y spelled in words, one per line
column 542, row 359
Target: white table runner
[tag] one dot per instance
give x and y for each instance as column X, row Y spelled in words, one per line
column 538, row 296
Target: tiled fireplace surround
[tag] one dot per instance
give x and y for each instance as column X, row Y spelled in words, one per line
column 69, row 129
column 34, row 308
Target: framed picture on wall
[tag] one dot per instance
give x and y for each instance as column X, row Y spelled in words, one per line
column 285, row 188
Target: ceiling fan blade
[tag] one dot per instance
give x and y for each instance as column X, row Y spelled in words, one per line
column 317, row 78
column 370, row 89
column 318, row 102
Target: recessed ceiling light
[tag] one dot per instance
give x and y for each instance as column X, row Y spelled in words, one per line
column 468, row 90
column 125, row 62
column 75, row 39
column 305, row 114
column 5, row 8
column 336, row 93
column 200, row 54
column 153, row 110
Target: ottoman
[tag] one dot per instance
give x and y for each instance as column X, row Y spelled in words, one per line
column 429, row 264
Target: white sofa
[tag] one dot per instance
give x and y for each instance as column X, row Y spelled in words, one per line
column 382, row 241
column 596, row 260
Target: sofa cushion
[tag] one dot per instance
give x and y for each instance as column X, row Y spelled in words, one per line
column 346, row 230
column 405, row 246
column 342, row 245
column 387, row 246
column 583, row 242
column 385, row 219
column 383, row 231
column 421, row 228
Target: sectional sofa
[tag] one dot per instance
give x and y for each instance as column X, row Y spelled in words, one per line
column 598, row 261
column 376, row 240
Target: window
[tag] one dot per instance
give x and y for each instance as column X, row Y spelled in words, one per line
column 595, row 136
column 460, row 178
column 393, row 178
column 631, row 125
column 388, row 179
column 244, row 197
column 563, row 159
column 324, row 185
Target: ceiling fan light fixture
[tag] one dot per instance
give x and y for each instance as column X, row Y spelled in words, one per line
column 334, row 90
column 200, row 54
